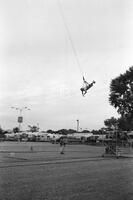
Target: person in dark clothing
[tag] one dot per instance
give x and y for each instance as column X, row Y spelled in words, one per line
column 86, row 86
column 62, row 145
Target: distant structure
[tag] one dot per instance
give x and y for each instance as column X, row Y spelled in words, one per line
column 77, row 125
column 20, row 117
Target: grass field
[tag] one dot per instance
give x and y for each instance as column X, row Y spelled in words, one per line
column 37, row 171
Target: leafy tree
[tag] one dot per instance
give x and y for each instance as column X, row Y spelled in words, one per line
column 85, row 131
column 125, row 123
column 16, row 130
column 121, row 97
column 50, row 131
column 71, row 131
column 63, row 131
column 97, row 132
column 111, row 123
column 121, row 93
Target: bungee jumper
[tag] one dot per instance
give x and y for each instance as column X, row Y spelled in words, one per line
column 86, row 86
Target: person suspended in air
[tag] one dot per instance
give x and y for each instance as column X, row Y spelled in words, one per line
column 86, row 86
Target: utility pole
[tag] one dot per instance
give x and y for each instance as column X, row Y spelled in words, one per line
column 38, row 126
column 20, row 117
column 116, row 137
column 77, row 125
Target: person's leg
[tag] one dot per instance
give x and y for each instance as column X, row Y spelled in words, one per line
column 82, row 90
column 62, row 149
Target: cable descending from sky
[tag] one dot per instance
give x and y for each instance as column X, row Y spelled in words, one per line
column 69, row 36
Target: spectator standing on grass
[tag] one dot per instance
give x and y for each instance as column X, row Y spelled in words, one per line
column 62, row 145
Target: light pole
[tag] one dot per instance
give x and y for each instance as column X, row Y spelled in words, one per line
column 38, row 126
column 77, row 125
column 20, row 118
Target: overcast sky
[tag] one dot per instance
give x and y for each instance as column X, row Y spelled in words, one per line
column 38, row 68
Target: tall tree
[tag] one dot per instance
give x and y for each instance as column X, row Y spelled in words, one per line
column 121, row 93
column 121, row 97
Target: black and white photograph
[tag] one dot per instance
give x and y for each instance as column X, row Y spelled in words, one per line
column 66, row 100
